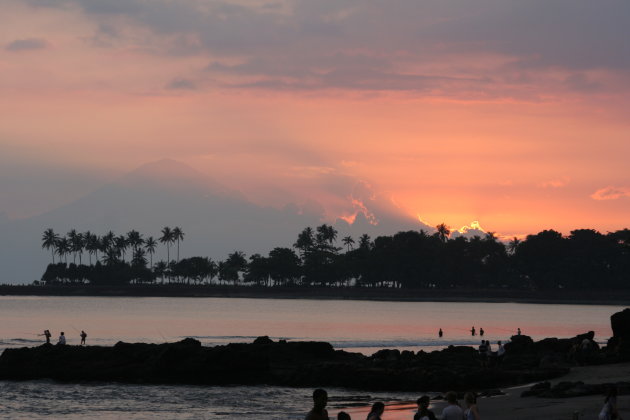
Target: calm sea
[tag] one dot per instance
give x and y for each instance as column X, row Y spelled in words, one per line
column 361, row 326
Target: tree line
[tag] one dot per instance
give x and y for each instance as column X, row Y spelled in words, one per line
column 584, row 259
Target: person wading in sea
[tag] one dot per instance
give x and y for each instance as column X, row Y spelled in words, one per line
column 319, row 412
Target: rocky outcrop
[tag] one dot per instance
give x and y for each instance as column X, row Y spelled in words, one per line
column 264, row 361
column 618, row 346
column 574, row 389
column 620, row 323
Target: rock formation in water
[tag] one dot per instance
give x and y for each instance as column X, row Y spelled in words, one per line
column 308, row 364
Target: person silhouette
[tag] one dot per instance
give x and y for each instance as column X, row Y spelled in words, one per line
column 62, row 339
column 319, row 412
column 440, row 333
column 83, row 337
column 47, row 334
column 472, row 331
column 481, row 332
column 518, row 332
column 342, row 415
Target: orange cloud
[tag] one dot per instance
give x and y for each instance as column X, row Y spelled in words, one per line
column 555, row 183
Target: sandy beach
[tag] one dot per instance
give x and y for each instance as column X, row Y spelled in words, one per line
column 513, row 407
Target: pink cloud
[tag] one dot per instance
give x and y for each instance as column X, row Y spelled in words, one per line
column 611, row 193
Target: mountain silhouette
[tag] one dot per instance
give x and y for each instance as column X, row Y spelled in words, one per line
column 215, row 219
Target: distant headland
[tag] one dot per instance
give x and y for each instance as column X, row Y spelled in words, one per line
column 585, row 266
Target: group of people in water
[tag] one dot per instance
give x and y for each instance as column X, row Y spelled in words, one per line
column 62, row 337
column 452, row 411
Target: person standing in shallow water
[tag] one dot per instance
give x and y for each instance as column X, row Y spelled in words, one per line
column 471, row 403
column 423, row 409
column 440, row 333
column 378, row 408
column 452, row 411
column 472, row 331
column 319, row 412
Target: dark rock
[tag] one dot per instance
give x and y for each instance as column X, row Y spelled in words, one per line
column 282, row 363
column 263, row 340
column 620, row 323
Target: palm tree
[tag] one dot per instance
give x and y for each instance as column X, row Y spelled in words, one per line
column 92, row 244
column 120, row 243
column 442, row 232
column 305, row 241
column 365, row 242
column 348, row 241
column 167, row 238
column 178, row 235
column 150, row 244
column 513, row 245
column 49, row 241
column 63, row 248
column 74, row 241
column 134, row 239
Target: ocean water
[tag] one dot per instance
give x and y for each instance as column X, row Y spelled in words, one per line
column 360, row 326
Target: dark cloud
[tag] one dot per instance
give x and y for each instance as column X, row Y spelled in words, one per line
column 181, row 84
column 27, row 44
column 373, row 45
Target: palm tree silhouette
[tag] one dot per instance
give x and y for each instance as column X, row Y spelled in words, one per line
column 167, row 238
column 348, row 241
column 442, row 232
column 75, row 243
column 134, row 238
column 63, row 248
column 513, row 245
column 49, row 241
column 178, row 235
column 120, row 243
column 150, row 245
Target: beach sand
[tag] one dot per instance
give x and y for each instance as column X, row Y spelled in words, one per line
column 513, row 407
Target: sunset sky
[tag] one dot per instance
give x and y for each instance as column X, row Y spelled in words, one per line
column 512, row 113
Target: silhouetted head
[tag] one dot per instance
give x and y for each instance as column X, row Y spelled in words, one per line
column 612, row 393
column 423, row 402
column 378, row 408
column 61, row 332
column 320, row 398
column 451, row 397
column 470, row 399
column 343, row 416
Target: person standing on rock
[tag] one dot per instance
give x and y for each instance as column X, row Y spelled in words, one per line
column 423, row 409
column 83, row 337
column 319, row 412
column 500, row 353
column 471, row 403
column 47, row 334
column 62, row 339
column 452, row 411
